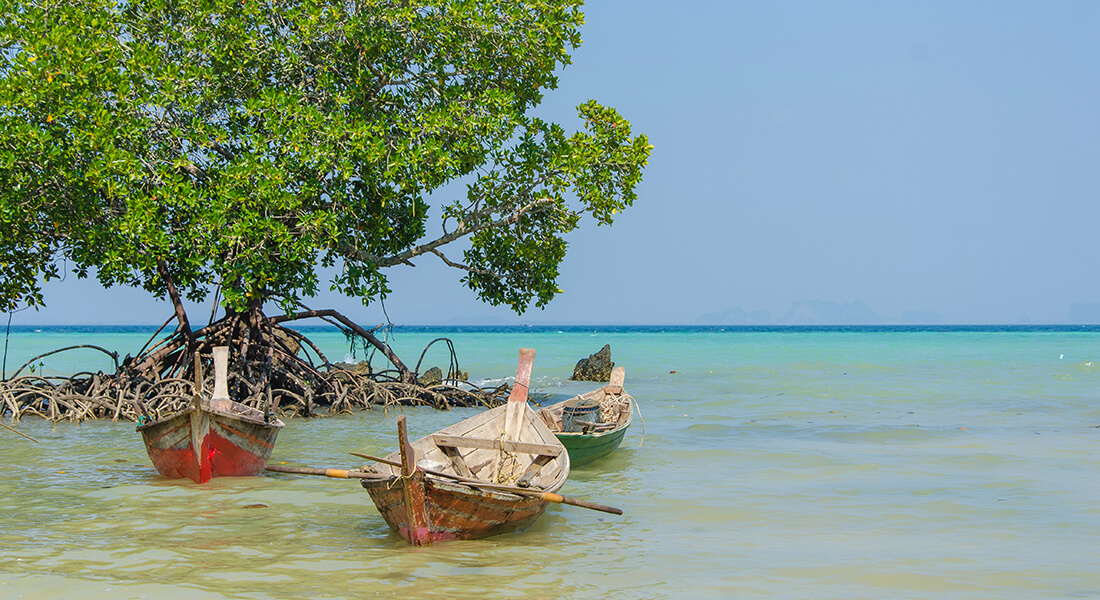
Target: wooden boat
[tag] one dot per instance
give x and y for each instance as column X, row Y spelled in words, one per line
column 213, row 437
column 496, row 471
column 589, row 441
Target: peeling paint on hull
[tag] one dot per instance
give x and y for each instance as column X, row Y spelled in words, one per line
column 452, row 512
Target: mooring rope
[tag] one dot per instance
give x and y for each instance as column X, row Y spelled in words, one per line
column 509, row 461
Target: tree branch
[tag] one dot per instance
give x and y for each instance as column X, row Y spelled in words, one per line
column 463, row 231
column 407, row 376
column 450, row 263
column 223, row 151
column 173, row 293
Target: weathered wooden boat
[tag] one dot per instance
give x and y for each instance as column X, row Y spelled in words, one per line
column 490, row 474
column 592, row 425
column 213, row 437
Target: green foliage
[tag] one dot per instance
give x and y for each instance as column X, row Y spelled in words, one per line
column 244, row 143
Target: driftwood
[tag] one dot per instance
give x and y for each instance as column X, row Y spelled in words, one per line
column 273, row 368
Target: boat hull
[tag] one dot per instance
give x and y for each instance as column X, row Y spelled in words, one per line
column 201, row 444
column 585, row 448
column 453, row 484
column 449, row 512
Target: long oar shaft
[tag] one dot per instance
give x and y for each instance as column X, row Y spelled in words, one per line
column 376, row 459
column 334, row 473
column 548, row 496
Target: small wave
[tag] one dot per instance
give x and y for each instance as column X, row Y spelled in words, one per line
column 536, row 382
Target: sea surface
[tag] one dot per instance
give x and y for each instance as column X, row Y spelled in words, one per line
column 860, row 462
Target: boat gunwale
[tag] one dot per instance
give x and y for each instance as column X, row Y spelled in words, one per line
column 626, row 417
column 425, row 444
column 274, row 423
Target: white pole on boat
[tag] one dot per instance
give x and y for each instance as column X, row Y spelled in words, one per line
column 221, row 378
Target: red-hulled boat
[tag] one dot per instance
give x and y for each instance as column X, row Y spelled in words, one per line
column 213, row 437
column 498, row 469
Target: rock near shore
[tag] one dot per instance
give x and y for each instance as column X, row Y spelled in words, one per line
column 596, row 367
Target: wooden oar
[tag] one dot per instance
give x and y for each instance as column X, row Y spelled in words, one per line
column 548, row 496
column 335, row 473
column 475, row 483
column 14, row 430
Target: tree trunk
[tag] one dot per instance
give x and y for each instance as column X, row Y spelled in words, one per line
column 177, row 304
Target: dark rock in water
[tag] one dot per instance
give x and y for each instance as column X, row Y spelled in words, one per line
column 287, row 340
column 359, row 368
column 596, row 367
column 433, row 376
column 255, row 506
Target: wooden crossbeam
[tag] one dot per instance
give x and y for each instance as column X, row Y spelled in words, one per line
column 493, row 444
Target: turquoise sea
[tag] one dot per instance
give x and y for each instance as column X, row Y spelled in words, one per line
column 832, row 462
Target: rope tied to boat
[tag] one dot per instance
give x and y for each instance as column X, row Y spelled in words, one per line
column 398, row 479
column 508, row 467
column 612, row 406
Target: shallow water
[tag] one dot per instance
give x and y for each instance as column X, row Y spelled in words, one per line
column 774, row 464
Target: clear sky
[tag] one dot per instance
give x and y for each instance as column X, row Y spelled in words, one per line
column 939, row 157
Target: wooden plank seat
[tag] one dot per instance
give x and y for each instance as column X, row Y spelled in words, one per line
column 455, row 441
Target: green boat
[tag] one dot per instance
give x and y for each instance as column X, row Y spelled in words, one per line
column 593, row 424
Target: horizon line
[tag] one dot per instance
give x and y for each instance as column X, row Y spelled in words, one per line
column 612, row 324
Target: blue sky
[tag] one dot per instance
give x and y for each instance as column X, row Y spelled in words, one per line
column 936, row 156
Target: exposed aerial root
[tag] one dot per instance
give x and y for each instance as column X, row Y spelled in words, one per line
column 271, row 368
